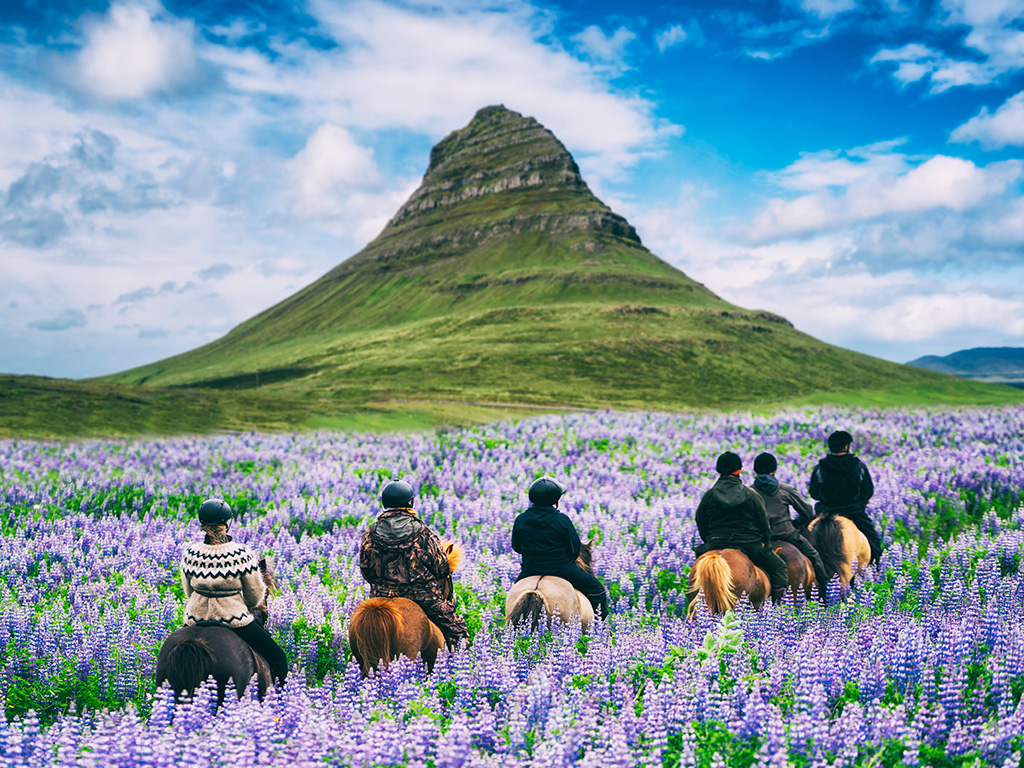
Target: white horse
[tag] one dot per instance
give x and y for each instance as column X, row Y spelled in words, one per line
column 537, row 597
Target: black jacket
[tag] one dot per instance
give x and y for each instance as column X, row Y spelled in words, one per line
column 841, row 483
column 778, row 498
column 546, row 539
column 730, row 511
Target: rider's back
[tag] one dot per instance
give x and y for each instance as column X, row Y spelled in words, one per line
column 222, row 582
column 546, row 539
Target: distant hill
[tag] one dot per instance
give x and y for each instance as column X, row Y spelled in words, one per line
column 504, row 279
column 1004, row 365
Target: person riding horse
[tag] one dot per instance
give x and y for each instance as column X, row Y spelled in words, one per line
column 732, row 516
column 224, row 585
column 842, row 485
column 401, row 557
column 778, row 498
column 549, row 543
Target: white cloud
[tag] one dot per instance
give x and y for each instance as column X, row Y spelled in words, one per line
column 130, row 53
column 993, row 35
column 1004, row 127
column 397, row 67
column 670, row 36
column 845, row 191
column 330, row 165
column 608, row 49
column 827, row 9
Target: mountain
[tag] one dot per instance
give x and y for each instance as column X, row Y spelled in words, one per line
column 990, row 364
column 504, row 279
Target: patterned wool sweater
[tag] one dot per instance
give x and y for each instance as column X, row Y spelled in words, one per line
column 222, row 582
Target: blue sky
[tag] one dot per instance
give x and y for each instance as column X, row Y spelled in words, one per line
column 168, row 170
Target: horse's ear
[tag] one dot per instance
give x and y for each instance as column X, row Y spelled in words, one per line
column 449, row 548
column 263, row 564
column 590, row 542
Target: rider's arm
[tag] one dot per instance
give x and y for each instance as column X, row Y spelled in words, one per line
column 572, row 541
column 184, row 579
column 369, row 561
column 867, row 488
column 254, row 589
column 816, row 481
column 803, row 508
column 701, row 516
column 516, row 545
column 761, row 515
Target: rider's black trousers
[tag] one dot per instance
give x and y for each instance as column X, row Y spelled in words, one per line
column 585, row 582
column 260, row 641
column 865, row 525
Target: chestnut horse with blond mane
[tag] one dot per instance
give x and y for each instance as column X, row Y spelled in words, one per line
column 384, row 628
column 723, row 575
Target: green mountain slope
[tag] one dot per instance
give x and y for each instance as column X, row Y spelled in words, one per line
column 504, row 279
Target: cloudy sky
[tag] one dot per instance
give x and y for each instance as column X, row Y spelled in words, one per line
column 167, row 170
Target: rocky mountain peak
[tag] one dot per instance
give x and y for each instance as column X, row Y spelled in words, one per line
column 498, row 151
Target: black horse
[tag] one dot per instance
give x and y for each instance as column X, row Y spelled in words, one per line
column 192, row 654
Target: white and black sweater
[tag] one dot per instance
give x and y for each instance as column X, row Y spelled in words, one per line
column 222, row 583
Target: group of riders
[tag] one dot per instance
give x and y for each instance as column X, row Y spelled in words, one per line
column 400, row 556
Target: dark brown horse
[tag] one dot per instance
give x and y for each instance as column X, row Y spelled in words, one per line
column 723, row 575
column 192, row 654
column 384, row 628
column 800, row 572
column 537, row 598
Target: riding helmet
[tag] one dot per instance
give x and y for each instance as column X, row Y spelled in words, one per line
column 545, row 491
column 397, row 494
column 839, row 441
column 728, row 463
column 765, row 464
column 215, row 512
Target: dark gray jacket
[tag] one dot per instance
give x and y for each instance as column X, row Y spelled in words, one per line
column 778, row 499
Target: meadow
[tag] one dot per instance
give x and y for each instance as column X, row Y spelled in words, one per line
column 922, row 663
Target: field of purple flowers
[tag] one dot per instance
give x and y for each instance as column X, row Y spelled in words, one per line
column 921, row 664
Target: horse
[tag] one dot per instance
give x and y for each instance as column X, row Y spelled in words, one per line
column 723, row 575
column 192, row 654
column 799, row 571
column 839, row 542
column 537, row 597
column 384, row 628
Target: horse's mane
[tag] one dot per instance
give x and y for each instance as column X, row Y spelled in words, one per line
column 586, row 557
column 456, row 554
column 827, row 537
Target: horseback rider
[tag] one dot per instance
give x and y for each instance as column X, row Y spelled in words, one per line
column 732, row 516
column 224, row 585
column 549, row 544
column 778, row 499
column 401, row 557
column 842, row 485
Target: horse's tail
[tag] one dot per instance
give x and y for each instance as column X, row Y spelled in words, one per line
column 530, row 606
column 188, row 664
column 712, row 574
column 373, row 631
column 827, row 538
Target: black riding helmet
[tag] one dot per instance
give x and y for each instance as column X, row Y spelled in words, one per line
column 397, row 494
column 215, row 512
column 546, row 491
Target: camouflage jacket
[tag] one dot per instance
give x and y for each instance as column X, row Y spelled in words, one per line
column 399, row 550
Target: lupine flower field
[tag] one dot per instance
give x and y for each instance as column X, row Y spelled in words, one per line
column 922, row 663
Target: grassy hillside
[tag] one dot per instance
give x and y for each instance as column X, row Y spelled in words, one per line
column 502, row 280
